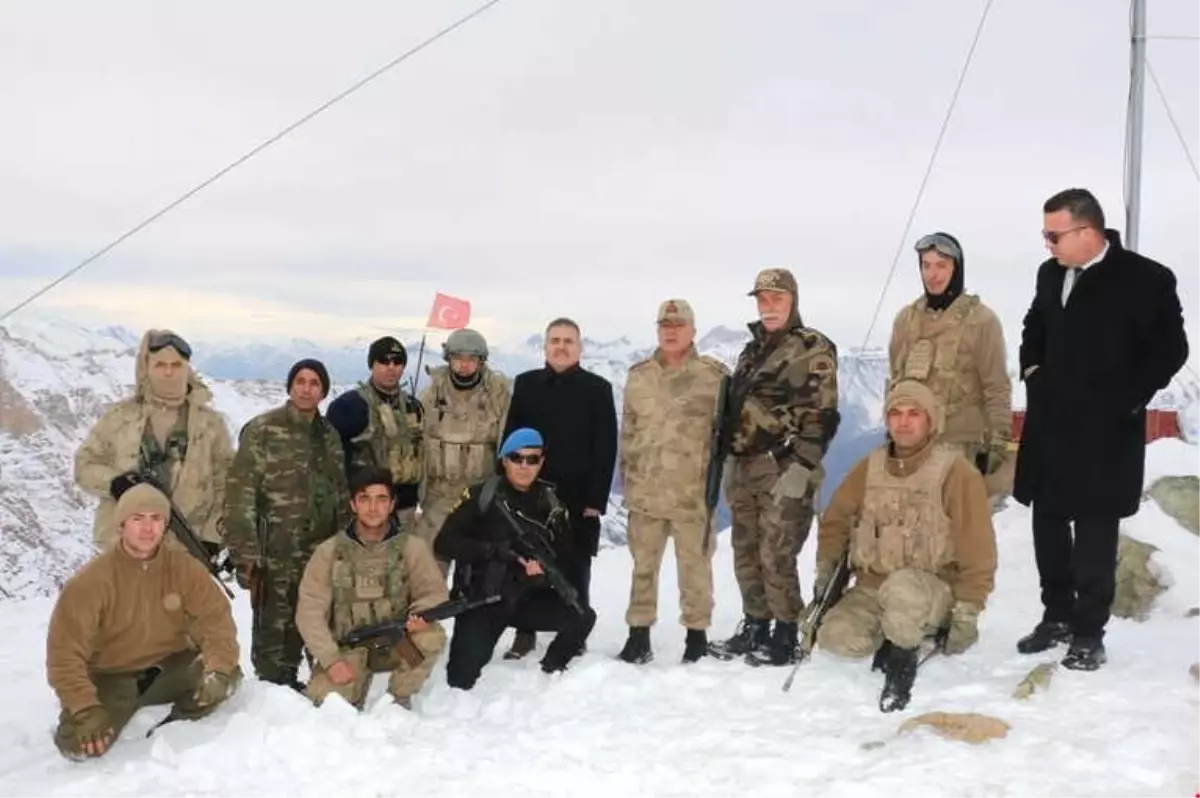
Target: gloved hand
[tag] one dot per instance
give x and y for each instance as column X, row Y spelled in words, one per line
column 123, row 482
column 792, row 483
column 964, row 627
column 92, row 730
column 994, row 455
column 215, row 687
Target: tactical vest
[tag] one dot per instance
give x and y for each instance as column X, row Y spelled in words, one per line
column 462, row 430
column 932, row 352
column 392, row 439
column 369, row 584
column 903, row 523
column 165, row 461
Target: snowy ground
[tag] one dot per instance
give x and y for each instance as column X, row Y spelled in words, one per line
column 709, row 729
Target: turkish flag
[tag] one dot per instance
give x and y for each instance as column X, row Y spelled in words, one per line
column 449, row 313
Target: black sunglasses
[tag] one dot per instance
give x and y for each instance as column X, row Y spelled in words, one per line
column 528, row 459
column 390, row 360
column 160, row 341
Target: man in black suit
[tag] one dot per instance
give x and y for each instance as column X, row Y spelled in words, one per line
column 1104, row 333
column 575, row 412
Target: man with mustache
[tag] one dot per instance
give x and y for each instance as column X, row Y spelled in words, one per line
column 783, row 410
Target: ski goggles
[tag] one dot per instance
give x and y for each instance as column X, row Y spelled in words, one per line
column 161, row 340
column 942, row 244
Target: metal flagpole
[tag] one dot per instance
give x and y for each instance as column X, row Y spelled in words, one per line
column 1134, row 120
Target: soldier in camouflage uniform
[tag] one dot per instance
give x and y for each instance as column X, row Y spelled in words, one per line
column 370, row 573
column 167, row 429
column 666, row 433
column 465, row 407
column 954, row 344
column 380, row 426
column 286, row 494
column 913, row 516
column 784, row 412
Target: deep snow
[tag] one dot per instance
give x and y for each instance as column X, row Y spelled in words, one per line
column 663, row 729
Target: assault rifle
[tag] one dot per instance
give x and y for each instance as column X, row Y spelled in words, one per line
column 178, row 524
column 530, row 543
column 388, row 633
column 816, row 614
column 717, row 452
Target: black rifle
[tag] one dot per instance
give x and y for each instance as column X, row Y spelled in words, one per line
column 182, row 529
column 816, row 614
column 389, row 633
column 718, row 450
column 533, row 545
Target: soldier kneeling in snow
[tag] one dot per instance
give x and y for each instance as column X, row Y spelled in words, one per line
column 124, row 632
column 915, row 519
column 371, row 572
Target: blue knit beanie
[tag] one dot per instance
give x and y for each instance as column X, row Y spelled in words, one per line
column 523, row 438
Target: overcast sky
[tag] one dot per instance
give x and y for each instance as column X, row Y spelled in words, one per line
column 565, row 157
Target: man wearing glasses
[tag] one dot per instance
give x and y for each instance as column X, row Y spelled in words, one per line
column 380, row 426
column 1103, row 334
column 166, row 430
column 952, row 343
column 509, row 536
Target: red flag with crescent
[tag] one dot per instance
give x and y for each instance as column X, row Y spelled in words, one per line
column 449, row 313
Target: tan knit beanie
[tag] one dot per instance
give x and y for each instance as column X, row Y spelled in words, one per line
column 911, row 392
column 142, row 498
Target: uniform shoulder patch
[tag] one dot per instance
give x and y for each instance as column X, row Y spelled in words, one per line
column 822, row 364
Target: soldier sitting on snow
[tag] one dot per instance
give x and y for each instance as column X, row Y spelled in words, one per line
column 915, row 519
column 125, row 630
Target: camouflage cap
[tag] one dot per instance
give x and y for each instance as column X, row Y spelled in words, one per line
column 774, row 280
column 675, row 311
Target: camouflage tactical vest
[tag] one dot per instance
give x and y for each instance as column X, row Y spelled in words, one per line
column 903, row 523
column 165, row 461
column 462, row 429
column 931, row 353
column 369, row 584
column 392, row 439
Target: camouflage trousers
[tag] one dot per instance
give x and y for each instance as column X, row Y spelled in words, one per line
column 767, row 538
column 647, row 542
column 907, row 607
column 172, row 681
column 410, row 663
column 276, row 646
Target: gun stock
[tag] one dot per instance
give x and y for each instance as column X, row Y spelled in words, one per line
column 717, row 452
column 816, row 614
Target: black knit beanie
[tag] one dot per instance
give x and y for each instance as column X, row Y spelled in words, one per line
column 387, row 346
column 313, row 365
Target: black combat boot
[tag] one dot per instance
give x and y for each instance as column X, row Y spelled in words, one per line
column 1085, row 654
column 782, row 649
column 881, row 656
column 751, row 634
column 637, row 646
column 696, row 645
column 1046, row 634
column 901, row 672
column 522, row 644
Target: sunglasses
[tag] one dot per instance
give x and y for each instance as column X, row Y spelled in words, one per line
column 160, row 341
column 390, row 360
column 942, row 244
column 517, row 458
column 1054, row 236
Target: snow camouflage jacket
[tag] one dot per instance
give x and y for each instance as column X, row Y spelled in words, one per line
column 666, row 432
column 288, row 475
column 462, row 429
column 114, row 446
column 785, row 386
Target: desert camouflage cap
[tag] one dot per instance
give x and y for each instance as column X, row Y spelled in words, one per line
column 774, row 280
column 676, row 311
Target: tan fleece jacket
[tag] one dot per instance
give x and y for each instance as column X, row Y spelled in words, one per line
column 120, row 615
column 424, row 580
column 964, row 498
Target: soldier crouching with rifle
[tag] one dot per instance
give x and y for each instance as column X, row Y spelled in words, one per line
column 507, row 537
column 367, row 575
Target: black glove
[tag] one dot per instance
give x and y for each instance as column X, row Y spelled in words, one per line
column 123, row 482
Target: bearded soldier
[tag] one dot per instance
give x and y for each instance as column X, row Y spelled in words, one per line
column 465, row 407
column 783, row 412
column 953, row 343
column 913, row 516
column 666, row 430
column 369, row 573
column 380, row 425
column 287, row 493
column 168, row 430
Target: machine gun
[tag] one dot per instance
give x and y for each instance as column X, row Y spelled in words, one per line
column 533, row 545
column 816, row 614
column 717, row 452
column 388, row 633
